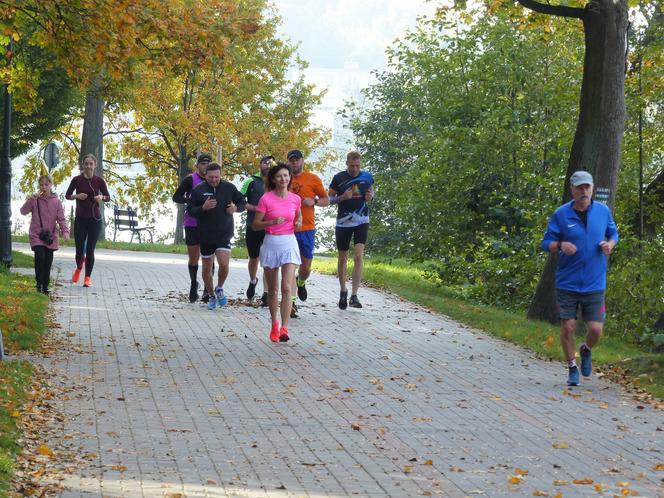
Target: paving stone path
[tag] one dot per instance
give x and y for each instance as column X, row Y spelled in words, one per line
column 391, row 400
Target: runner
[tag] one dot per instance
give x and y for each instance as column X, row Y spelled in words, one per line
column 46, row 211
column 213, row 203
column 253, row 189
column 351, row 189
column 90, row 190
column 278, row 213
column 191, row 238
column 310, row 188
column 584, row 233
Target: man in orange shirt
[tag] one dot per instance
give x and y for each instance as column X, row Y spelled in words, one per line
column 310, row 188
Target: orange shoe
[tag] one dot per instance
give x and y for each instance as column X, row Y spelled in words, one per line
column 87, row 282
column 283, row 335
column 274, row 332
column 76, row 275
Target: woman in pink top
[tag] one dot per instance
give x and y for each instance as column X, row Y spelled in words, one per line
column 47, row 212
column 278, row 213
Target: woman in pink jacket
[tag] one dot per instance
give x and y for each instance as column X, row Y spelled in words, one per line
column 47, row 211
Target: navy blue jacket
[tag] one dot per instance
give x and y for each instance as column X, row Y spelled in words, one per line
column 585, row 270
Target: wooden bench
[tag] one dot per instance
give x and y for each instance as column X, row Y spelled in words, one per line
column 127, row 220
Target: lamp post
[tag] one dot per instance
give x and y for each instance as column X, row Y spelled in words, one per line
column 6, row 176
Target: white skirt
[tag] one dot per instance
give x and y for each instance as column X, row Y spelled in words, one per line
column 278, row 250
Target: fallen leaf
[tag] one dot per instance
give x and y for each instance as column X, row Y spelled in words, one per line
column 622, row 484
column 538, row 492
column 599, row 488
column 348, row 390
column 522, row 472
column 408, row 469
column 560, row 482
column 355, row 426
column 45, row 450
column 585, row 480
column 560, row 446
column 422, row 419
column 515, row 479
column 658, row 467
column 428, row 462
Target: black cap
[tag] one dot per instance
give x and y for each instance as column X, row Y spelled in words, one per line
column 267, row 158
column 294, row 153
column 204, row 157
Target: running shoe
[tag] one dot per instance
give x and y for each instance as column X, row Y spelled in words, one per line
column 343, row 300
column 354, row 302
column 573, row 377
column 87, row 282
column 283, row 335
column 193, row 292
column 205, row 297
column 586, row 360
column 76, row 275
column 251, row 290
column 264, row 303
column 221, row 297
column 301, row 289
column 293, row 311
column 274, row 332
column 212, row 302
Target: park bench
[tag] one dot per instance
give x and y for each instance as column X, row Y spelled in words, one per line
column 127, row 220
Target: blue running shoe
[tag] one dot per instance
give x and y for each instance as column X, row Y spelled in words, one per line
column 221, row 297
column 586, row 360
column 212, row 303
column 573, row 378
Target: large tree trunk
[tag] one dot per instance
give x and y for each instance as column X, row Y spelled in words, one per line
column 92, row 139
column 601, row 123
column 183, row 171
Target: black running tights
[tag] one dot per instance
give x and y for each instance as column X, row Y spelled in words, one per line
column 86, row 233
column 43, row 262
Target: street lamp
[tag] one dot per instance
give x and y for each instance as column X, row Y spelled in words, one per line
column 6, row 175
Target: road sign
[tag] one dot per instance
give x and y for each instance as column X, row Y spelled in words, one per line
column 51, row 156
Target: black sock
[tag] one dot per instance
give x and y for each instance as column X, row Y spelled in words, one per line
column 193, row 272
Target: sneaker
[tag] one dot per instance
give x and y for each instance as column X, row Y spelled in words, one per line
column 573, row 377
column 264, row 303
column 87, row 282
column 251, row 290
column 205, row 297
column 301, row 290
column 283, row 335
column 343, row 300
column 39, row 288
column 354, row 302
column 193, row 292
column 586, row 360
column 212, row 303
column 293, row 311
column 76, row 275
column 221, row 297
column 45, row 291
column 274, row 332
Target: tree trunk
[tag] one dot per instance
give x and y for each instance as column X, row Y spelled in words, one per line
column 92, row 139
column 183, row 171
column 601, row 123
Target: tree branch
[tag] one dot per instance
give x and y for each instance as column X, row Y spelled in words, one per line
column 554, row 10
column 123, row 164
column 73, row 143
column 120, row 132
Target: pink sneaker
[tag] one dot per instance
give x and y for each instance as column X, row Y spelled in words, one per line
column 274, row 332
column 283, row 335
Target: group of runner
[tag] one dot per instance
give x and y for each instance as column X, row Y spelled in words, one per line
column 280, row 201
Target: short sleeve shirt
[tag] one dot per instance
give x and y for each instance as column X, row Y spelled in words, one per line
column 308, row 185
column 354, row 211
column 274, row 206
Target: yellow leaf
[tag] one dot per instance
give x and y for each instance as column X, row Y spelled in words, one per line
column 549, row 341
column 348, row 390
column 15, row 414
column 45, row 450
column 522, row 472
column 118, row 468
column 408, row 469
column 428, row 462
column 558, row 495
column 560, row 446
column 599, row 488
column 507, row 334
column 560, row 482
column 538, row 492
column 355, row 426
column 515, row 479
column 585, row 480
column 622, row 484
column 659, row 466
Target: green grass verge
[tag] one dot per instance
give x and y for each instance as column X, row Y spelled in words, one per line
column 22, row 322
column 407, row 280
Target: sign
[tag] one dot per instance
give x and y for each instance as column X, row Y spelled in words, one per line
column 51, row 156
column 602, row 195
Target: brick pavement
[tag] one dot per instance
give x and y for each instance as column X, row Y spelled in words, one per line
column 390, row 400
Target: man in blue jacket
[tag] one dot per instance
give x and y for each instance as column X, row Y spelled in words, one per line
column 584, row 233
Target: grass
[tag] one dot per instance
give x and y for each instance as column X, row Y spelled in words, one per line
column 23, row 323
column 623, row 361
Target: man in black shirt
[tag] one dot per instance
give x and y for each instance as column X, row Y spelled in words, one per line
column 213, row 203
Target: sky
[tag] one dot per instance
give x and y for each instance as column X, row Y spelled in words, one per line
column 335, row 32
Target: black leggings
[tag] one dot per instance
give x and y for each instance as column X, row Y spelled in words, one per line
column 86, row 229
column 43, row 262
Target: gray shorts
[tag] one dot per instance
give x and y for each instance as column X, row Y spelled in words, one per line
column 593, row 308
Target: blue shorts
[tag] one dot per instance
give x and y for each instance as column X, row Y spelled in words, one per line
column 306, row 241
column 592, row 305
